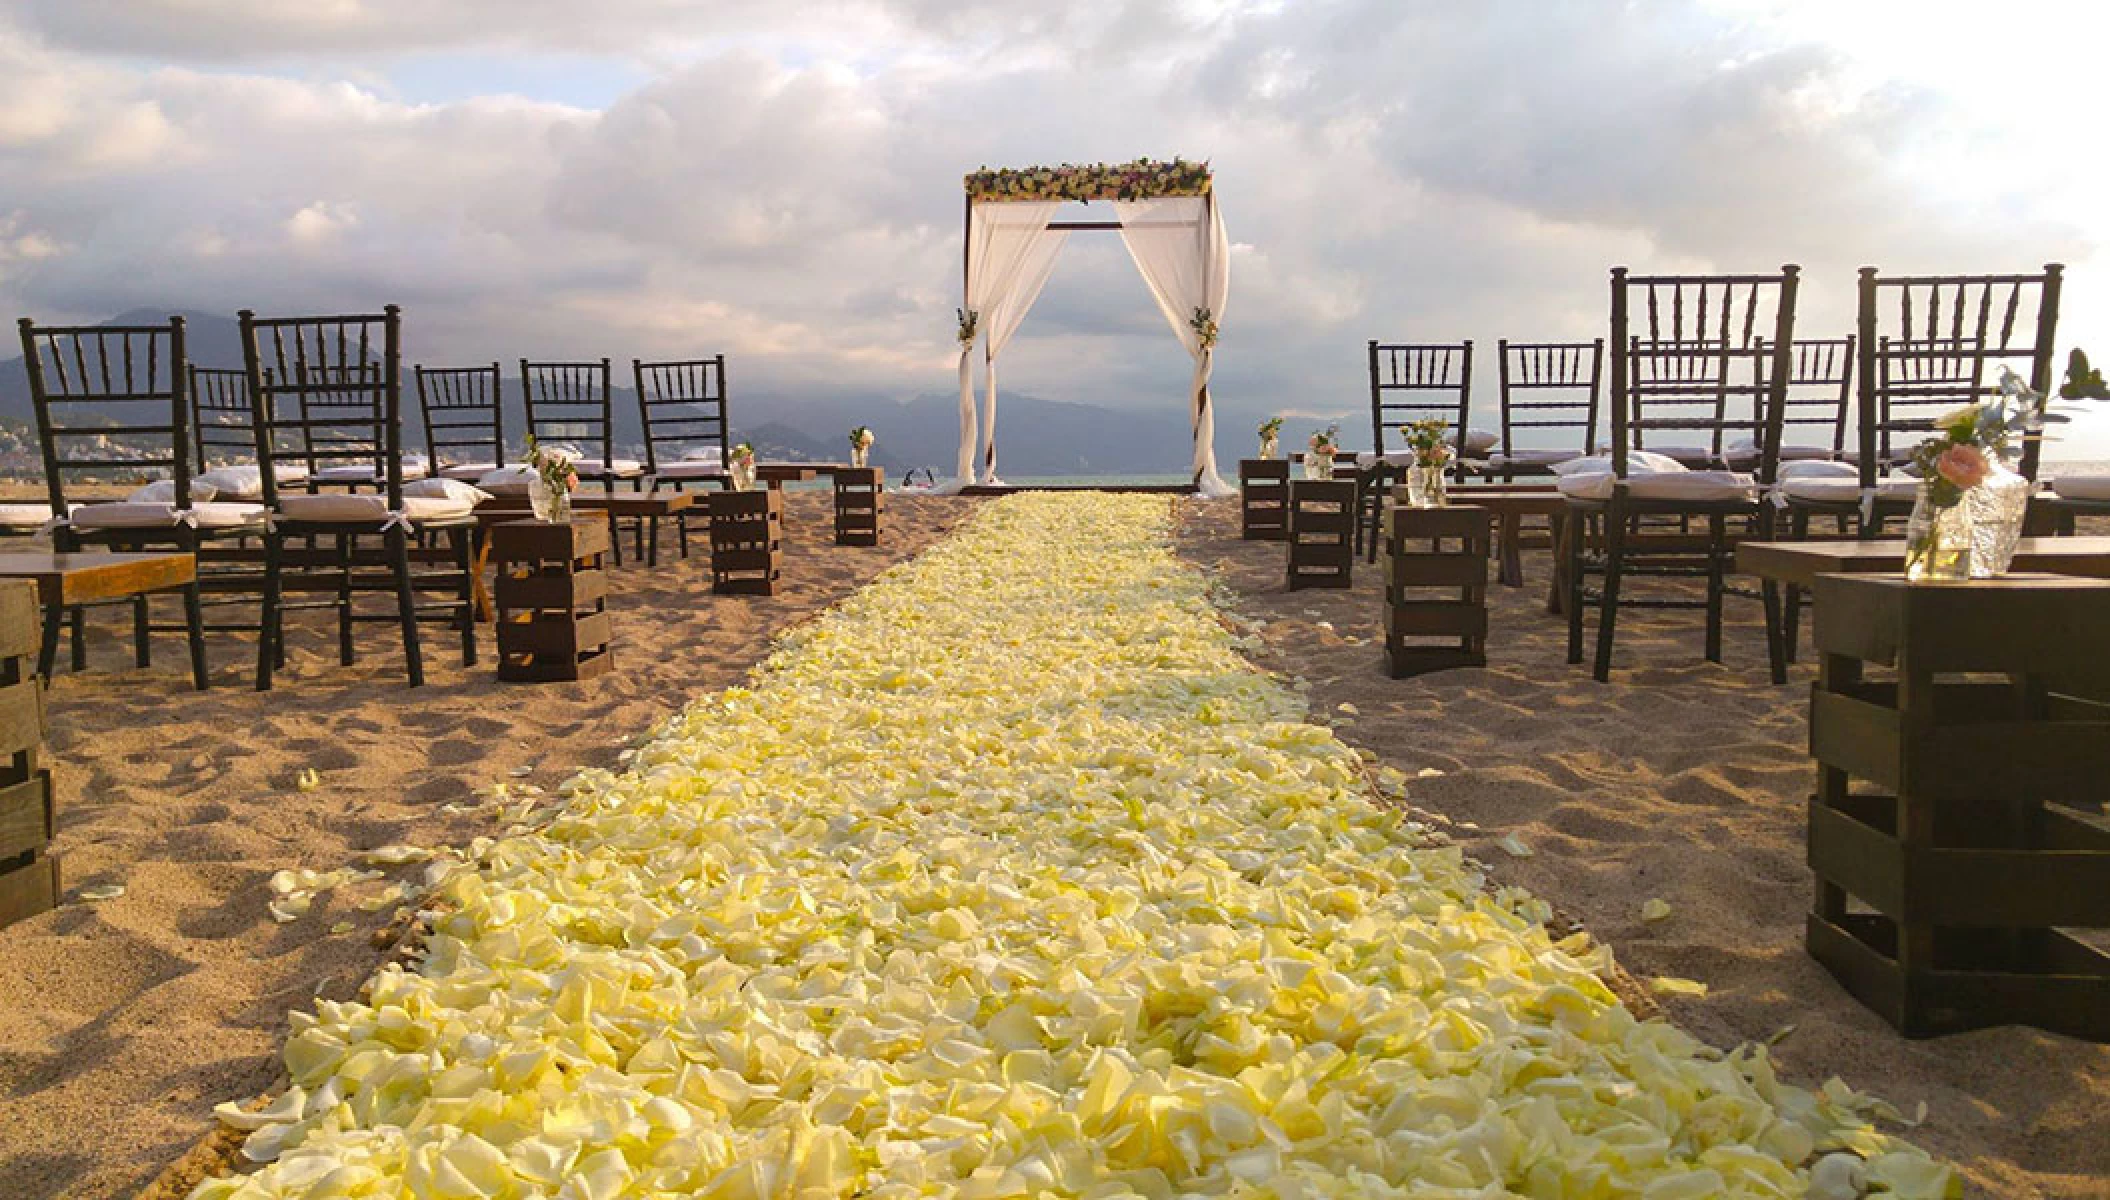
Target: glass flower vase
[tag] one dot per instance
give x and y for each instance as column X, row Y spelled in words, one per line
column 1270, row 446
column 1937, row 540
column 1318, row 466
column 540, row 499
column 1997, row 506
column 1426, row 488
column 743, row 474
column 859, row 455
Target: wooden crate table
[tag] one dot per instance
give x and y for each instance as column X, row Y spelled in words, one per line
column 1321, row 532
column 1263, row 499
column 1959, row 798
column 747, row 542
column 88, row 577
column 29, row 872
column 1435, row 588
column 552, row 598
column 860, row 496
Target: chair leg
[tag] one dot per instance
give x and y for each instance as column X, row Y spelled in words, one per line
column 1776, row 636
column 78, row 630
column 1608, row 603
column 1791, row 623
column 194, row 628
column 48, row 650
column 681, row 527
column 270, row 630
column 465, row 560
column 1717, row 542
column 1573, row 545
column 142, row 634
column 347, row 647
column 406, row 604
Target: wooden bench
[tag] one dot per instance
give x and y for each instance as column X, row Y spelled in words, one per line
column 860, row 497
column 552, row 600
column 1435, row 588
column 1263, row 499
column 1321, row 532
column 1950, row 800
column 29, row 872
column 747, row 542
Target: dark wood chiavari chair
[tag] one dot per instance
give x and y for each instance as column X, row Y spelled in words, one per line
column 464, row 411
column 683, row 407
column 1409, row 382
column 114, row 400
column 573, row 404
column 1696, row 372
column 1546, row 386
column 338, row 380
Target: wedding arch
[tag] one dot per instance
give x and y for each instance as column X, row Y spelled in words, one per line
column 1166, row 214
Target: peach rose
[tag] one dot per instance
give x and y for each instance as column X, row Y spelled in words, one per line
column 1964, row 466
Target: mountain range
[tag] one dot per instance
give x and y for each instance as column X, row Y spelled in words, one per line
column 1039, row 437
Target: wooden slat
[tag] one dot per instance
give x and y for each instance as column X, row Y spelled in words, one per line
column 561, row 590
column 1436, row 618
column 22, row 712
column 21, row 618
column 27, row 817
column 549, row 636
column 28, row 888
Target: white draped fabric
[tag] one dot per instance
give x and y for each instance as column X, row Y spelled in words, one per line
column 1002, row 250
column 1180, row 246
column 1001, row 320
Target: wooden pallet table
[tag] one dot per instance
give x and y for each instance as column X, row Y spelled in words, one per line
column 860, row 496
column 29, row 872
column 1321, row 532
column 1263, row 499
column 747, row 542
column 1435, row 588
column 552, row 598
column 1957, row 827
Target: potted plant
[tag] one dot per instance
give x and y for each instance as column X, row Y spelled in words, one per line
column 860, row 446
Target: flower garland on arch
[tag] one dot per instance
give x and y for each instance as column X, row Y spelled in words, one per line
column 1143, row 179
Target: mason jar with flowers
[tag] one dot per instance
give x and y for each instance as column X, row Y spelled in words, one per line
column 556, row 478
column 1938, row 534
column 1271, row 437
column 742, row 462
column 1318, row 456
column 1432, row 457
column 860, row 446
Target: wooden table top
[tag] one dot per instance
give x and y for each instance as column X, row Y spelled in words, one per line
column 621, row 504
column 795, row 472
column 1801, row 563
column 86, row 576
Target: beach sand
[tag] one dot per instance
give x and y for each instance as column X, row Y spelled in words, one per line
column 1679, row 780
column 123, row 1022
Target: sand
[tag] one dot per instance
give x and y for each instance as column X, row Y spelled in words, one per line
column 123, row 1022
column 1679, row 780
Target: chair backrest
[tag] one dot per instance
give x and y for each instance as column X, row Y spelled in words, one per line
column 683, row 407
column 1550, row 385
column 572, row 402
column 463, row 411
column 1691, row 363
column 1820, row 388
column 221, row 415
column 1417, row 382
column 335, row 381
column 110, row 399
column 1930, row 343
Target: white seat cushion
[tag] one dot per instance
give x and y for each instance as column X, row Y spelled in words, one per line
column 2082, row 487
column 1847, row 490
column 507, row 481
column 686, row 469
column 1687, row 456
column 1697, row 486
column 245, row 482
column 369, row 507
column 446, row 489
column 1601, row 464
column 622, row 468
column 125, row 515
column 1530, row 458
column 163, row 491
column 413, row 468
column 1479, row 441
column 1819, row 470
column 467, row 472
column 1364, row 460
column 24, row 516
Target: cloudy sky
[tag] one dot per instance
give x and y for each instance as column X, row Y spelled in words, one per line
column 780, row 179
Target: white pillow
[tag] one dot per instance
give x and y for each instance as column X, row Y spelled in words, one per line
column 2082, row 487
column 1480, row 441
column 508, row 481
column 1638, row 462
column 1819, row 470
column 163, row 491
column 244, row 482
column 447, row 489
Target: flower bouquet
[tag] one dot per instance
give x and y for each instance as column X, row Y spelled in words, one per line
column 860, row 445
column 742, row 461
column 556, row 478
column 1203, row 323
column 1271, row 437
column 1432, row 455
column 1318, row 461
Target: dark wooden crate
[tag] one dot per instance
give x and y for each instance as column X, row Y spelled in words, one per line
column 1263, row 499
column 1321, row 532
column 860, row 498
column 747, row 542
column 29, row 872
column 1436, row 563
column 1956, row 828
column 552, row 599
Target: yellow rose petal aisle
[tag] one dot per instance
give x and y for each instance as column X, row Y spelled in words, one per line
column 1007, row 878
